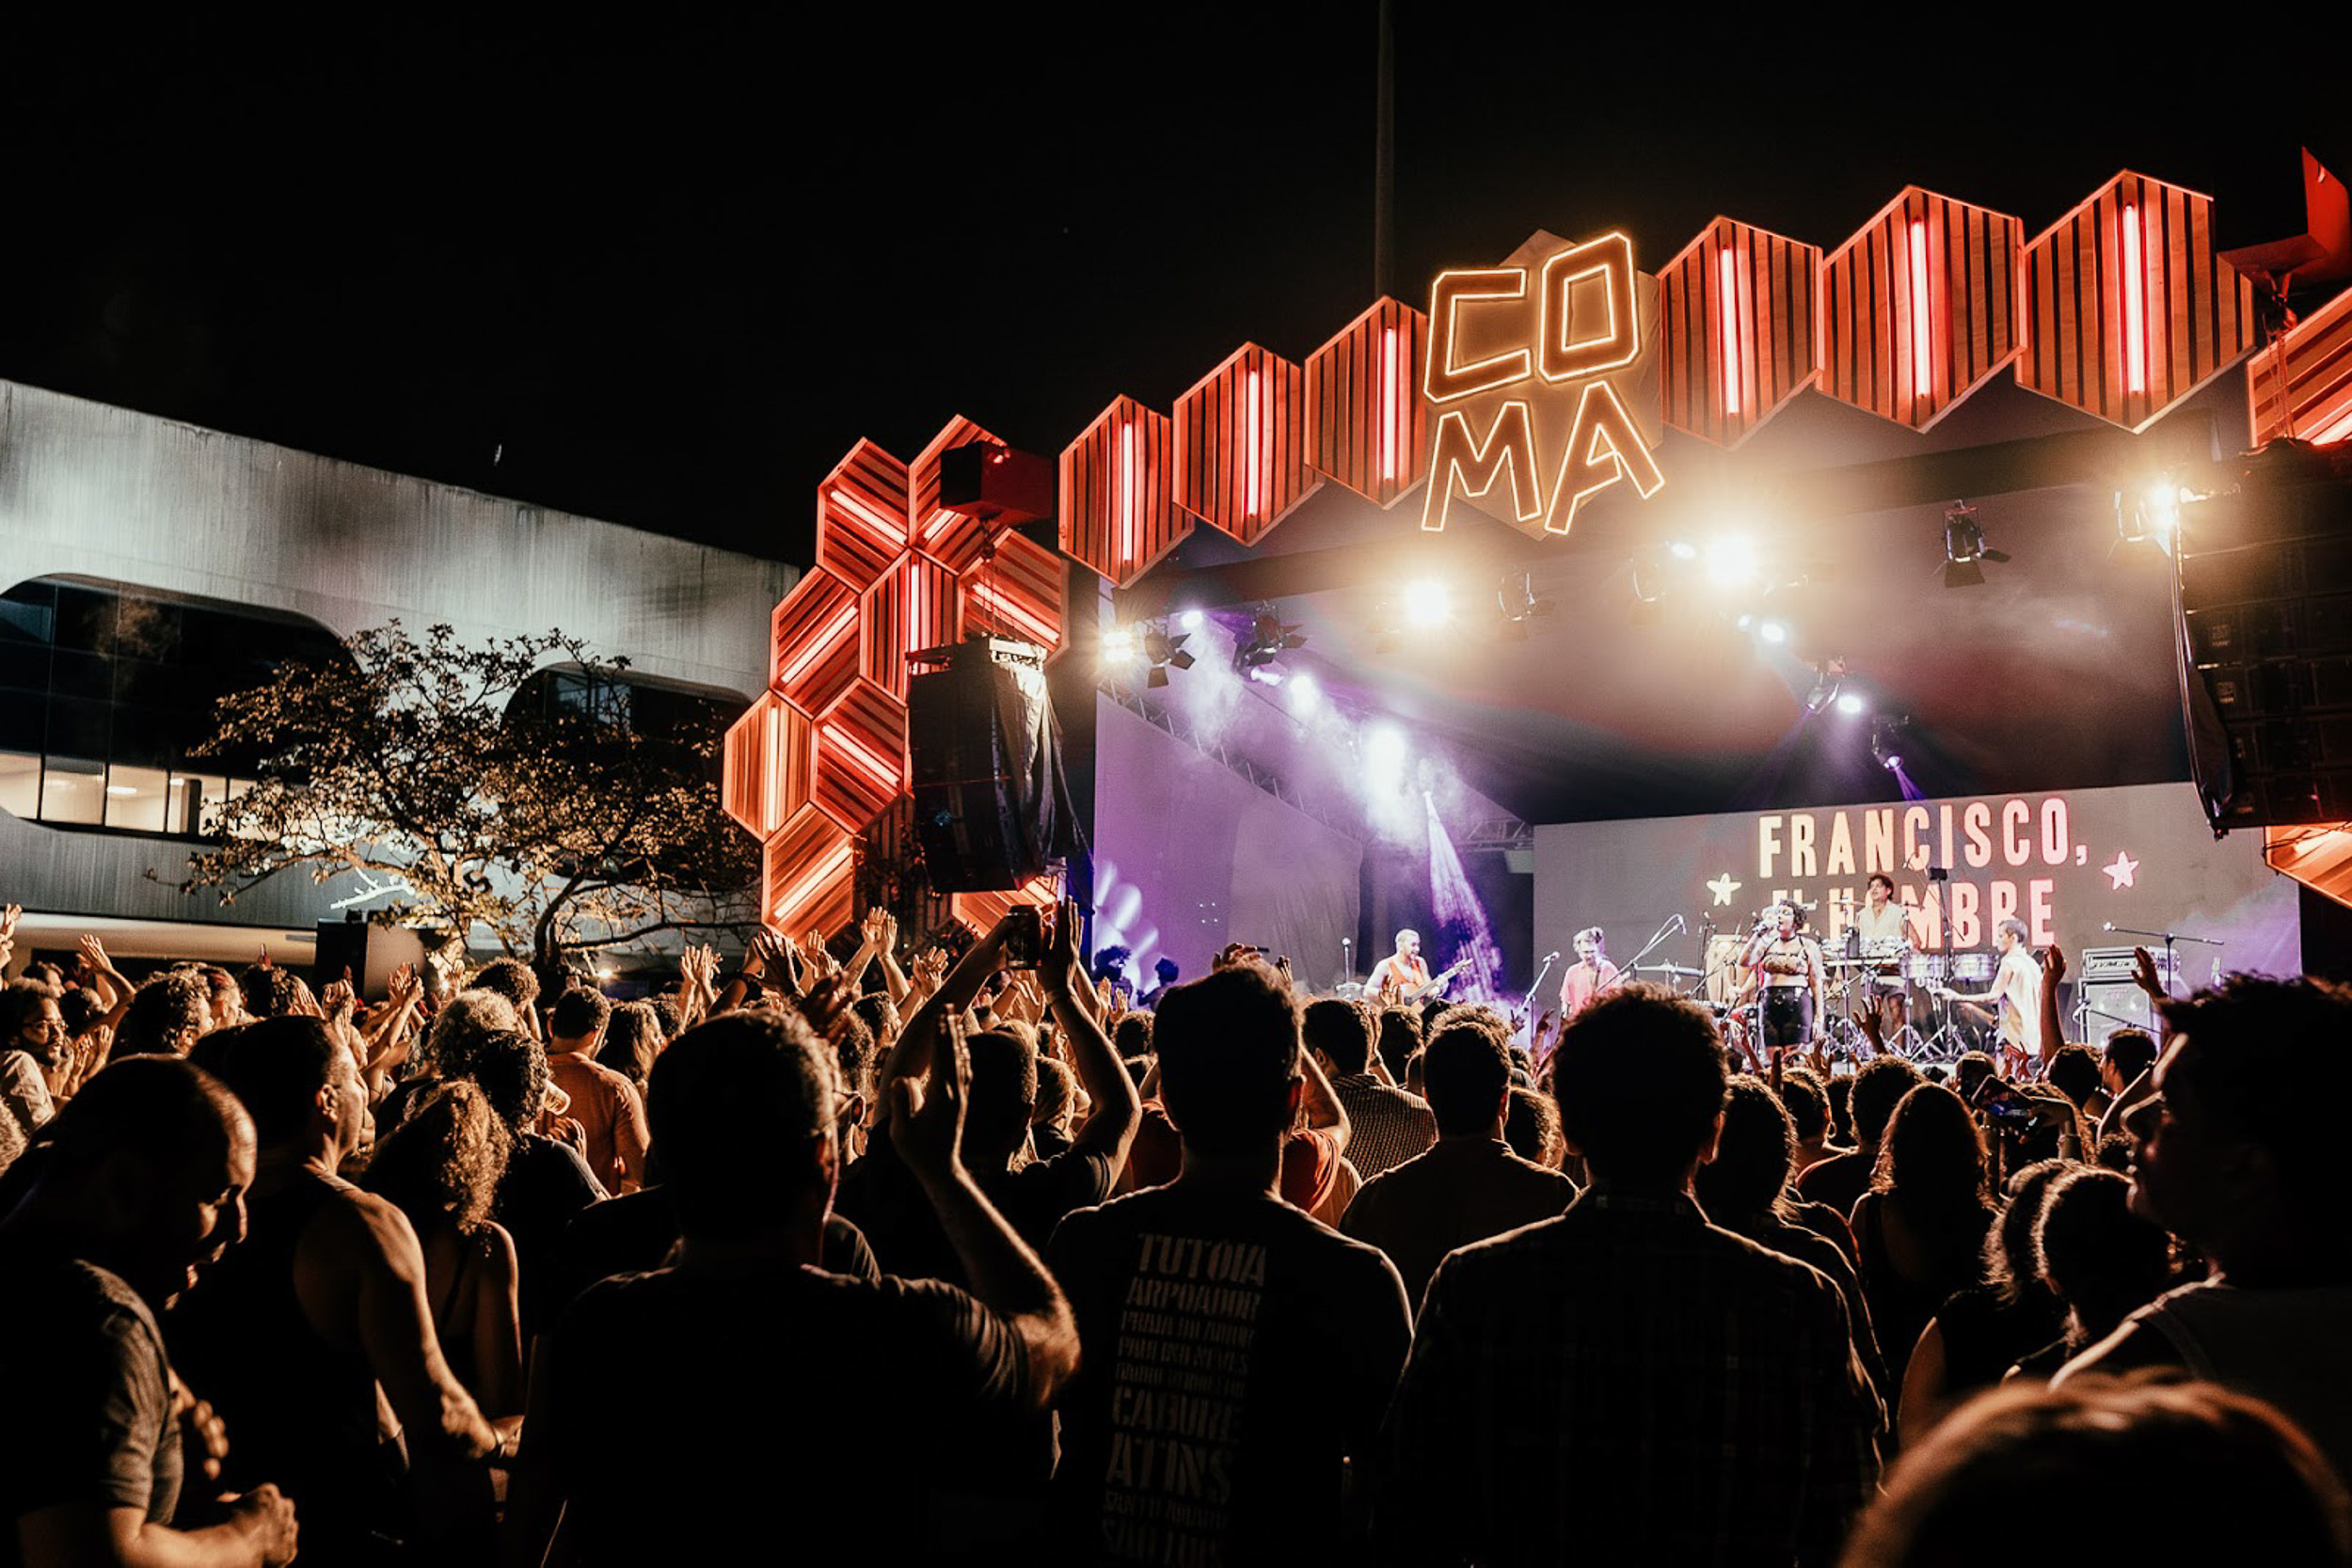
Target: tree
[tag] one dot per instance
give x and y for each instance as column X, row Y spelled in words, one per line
column 555, row 814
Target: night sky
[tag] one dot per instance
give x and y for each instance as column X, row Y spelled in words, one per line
column 667, row 277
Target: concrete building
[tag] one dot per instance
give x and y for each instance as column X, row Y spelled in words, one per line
column 147, row 565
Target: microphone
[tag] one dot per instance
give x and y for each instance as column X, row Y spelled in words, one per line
column 2108, row 926
column 1552, row 957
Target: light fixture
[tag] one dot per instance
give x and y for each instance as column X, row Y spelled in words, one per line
column 1117, row 645
column 1428, row 603
column 1829, row 676
column 1682, row 551
column 1887, row 739
column 1732, row 560
column 2151, row 513
column 1269, row 639
column 1851, row 705
column 1774, row 631
column 1190, row 620
column 1166, row 651
column 1303, row 694
column 1964, row 548
column 1514, row 598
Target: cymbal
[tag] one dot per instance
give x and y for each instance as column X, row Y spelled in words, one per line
column 1683, row 970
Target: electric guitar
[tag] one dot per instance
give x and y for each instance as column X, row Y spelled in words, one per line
column 1398, row 996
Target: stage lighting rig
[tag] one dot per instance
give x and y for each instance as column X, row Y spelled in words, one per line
column 1964, row 548
column 1829, row 677
column 1514, row 597
column 1166, row 651
column 1269, row 640
column 1888, row 736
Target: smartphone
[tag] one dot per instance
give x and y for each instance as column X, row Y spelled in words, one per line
column 1024, row 937
column 2007, row 1109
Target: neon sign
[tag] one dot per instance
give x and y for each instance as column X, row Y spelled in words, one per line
column 1533, row 371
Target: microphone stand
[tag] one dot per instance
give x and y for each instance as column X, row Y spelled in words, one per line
column 2168, row 937
column 1533, row 1006
column 1662, row 934
column 1347, row 960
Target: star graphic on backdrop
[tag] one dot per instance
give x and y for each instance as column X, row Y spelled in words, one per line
column 1723, row 887
column 2121, row 871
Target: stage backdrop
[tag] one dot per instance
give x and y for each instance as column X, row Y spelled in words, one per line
column 2065, row 863
column 1188, row 857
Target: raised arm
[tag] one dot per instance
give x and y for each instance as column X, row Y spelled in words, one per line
column 1118, row 1109
column 927, row 1127
column 912, row 1056
column 2053, row 1028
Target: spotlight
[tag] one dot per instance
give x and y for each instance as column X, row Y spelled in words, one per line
column 1191, row 620
column 1964, row 548
column 1829, row 676
column 1887, row 739
column 1117, row 645
column 1682, row 551
column 1269, row 639
column 2151, row 513
column 1850, row 706
column 1773, row 631
column 1303, row 694
column 1515, row 597
column 1166, row 653
column 1731, row 561
column 1428, row 603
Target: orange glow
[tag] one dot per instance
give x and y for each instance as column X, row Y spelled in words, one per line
column 771, row 796
column 835, row 862
column 872, row 766
column 846, row 498
column 1445, row 381
column 1728, row 328
column 1605, row 447
column 1922, row 302
column 2135, row 306
column 1127, row 492
column 1256, row 415
column 1040, row 629
column 2335, row 430
column 1458, row 454
column 1390, row 396
column 1609, row 259
column 915, row 607
column 817, row 646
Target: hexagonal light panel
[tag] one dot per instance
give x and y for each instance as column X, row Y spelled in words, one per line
column 2128, row 309
column 813, row 642
column 954, row 538
column 1367, row 426
column 769, row 753
column 809, row 875
column 1118, row 512
column 912, row 606
column 862, row 516
column 1737, row 316
column 1241, row 444
column 1017, row 592
column 860, row 755
column 1920, row 306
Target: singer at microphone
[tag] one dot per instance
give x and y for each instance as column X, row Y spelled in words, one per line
column 1591, row 975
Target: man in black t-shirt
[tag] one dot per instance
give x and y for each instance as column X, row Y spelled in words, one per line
column 1238, row 1352
column 744, row 1395
column 140, row 1184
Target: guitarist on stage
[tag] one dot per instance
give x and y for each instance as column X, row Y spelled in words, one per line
column 1591, row 975
column 1402, row 976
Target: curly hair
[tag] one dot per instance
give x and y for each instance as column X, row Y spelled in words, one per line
column 509, row 978
column 19, row 1003
column 463, row 1020
column 512, row 1070
column 272, row 992
column 444, row 1160
column 162, row 1010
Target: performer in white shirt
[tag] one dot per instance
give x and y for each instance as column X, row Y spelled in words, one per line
column 2017, row 988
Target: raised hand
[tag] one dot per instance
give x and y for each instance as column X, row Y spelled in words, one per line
column 2053, row 964
column 927, row 1115
column 2144, row 974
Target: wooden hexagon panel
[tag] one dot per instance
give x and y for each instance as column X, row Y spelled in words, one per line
column 954, row 538
column 1119, row 511
column 860, row 755
column 862, row 516
column 809, row 875
column 1920, row 306
column 1241, row 444
column 2301, row 385
column 768, row 757
column 1367, row 424
column 814, row 641
column 1736, row 316
column 982, row 911
column 1017, row 592
column 2128, row 309
column 912, row 606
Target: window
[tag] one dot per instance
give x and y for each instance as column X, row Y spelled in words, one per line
column 107, row 689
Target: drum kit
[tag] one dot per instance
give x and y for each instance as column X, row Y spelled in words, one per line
column 1895, row 982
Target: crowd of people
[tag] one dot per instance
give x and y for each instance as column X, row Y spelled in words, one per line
column 863, row 1250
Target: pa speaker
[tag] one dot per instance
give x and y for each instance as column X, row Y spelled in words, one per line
column 989, row 809
column 2266, row 595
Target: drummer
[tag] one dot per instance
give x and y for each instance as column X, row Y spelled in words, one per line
column 1884, row 927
